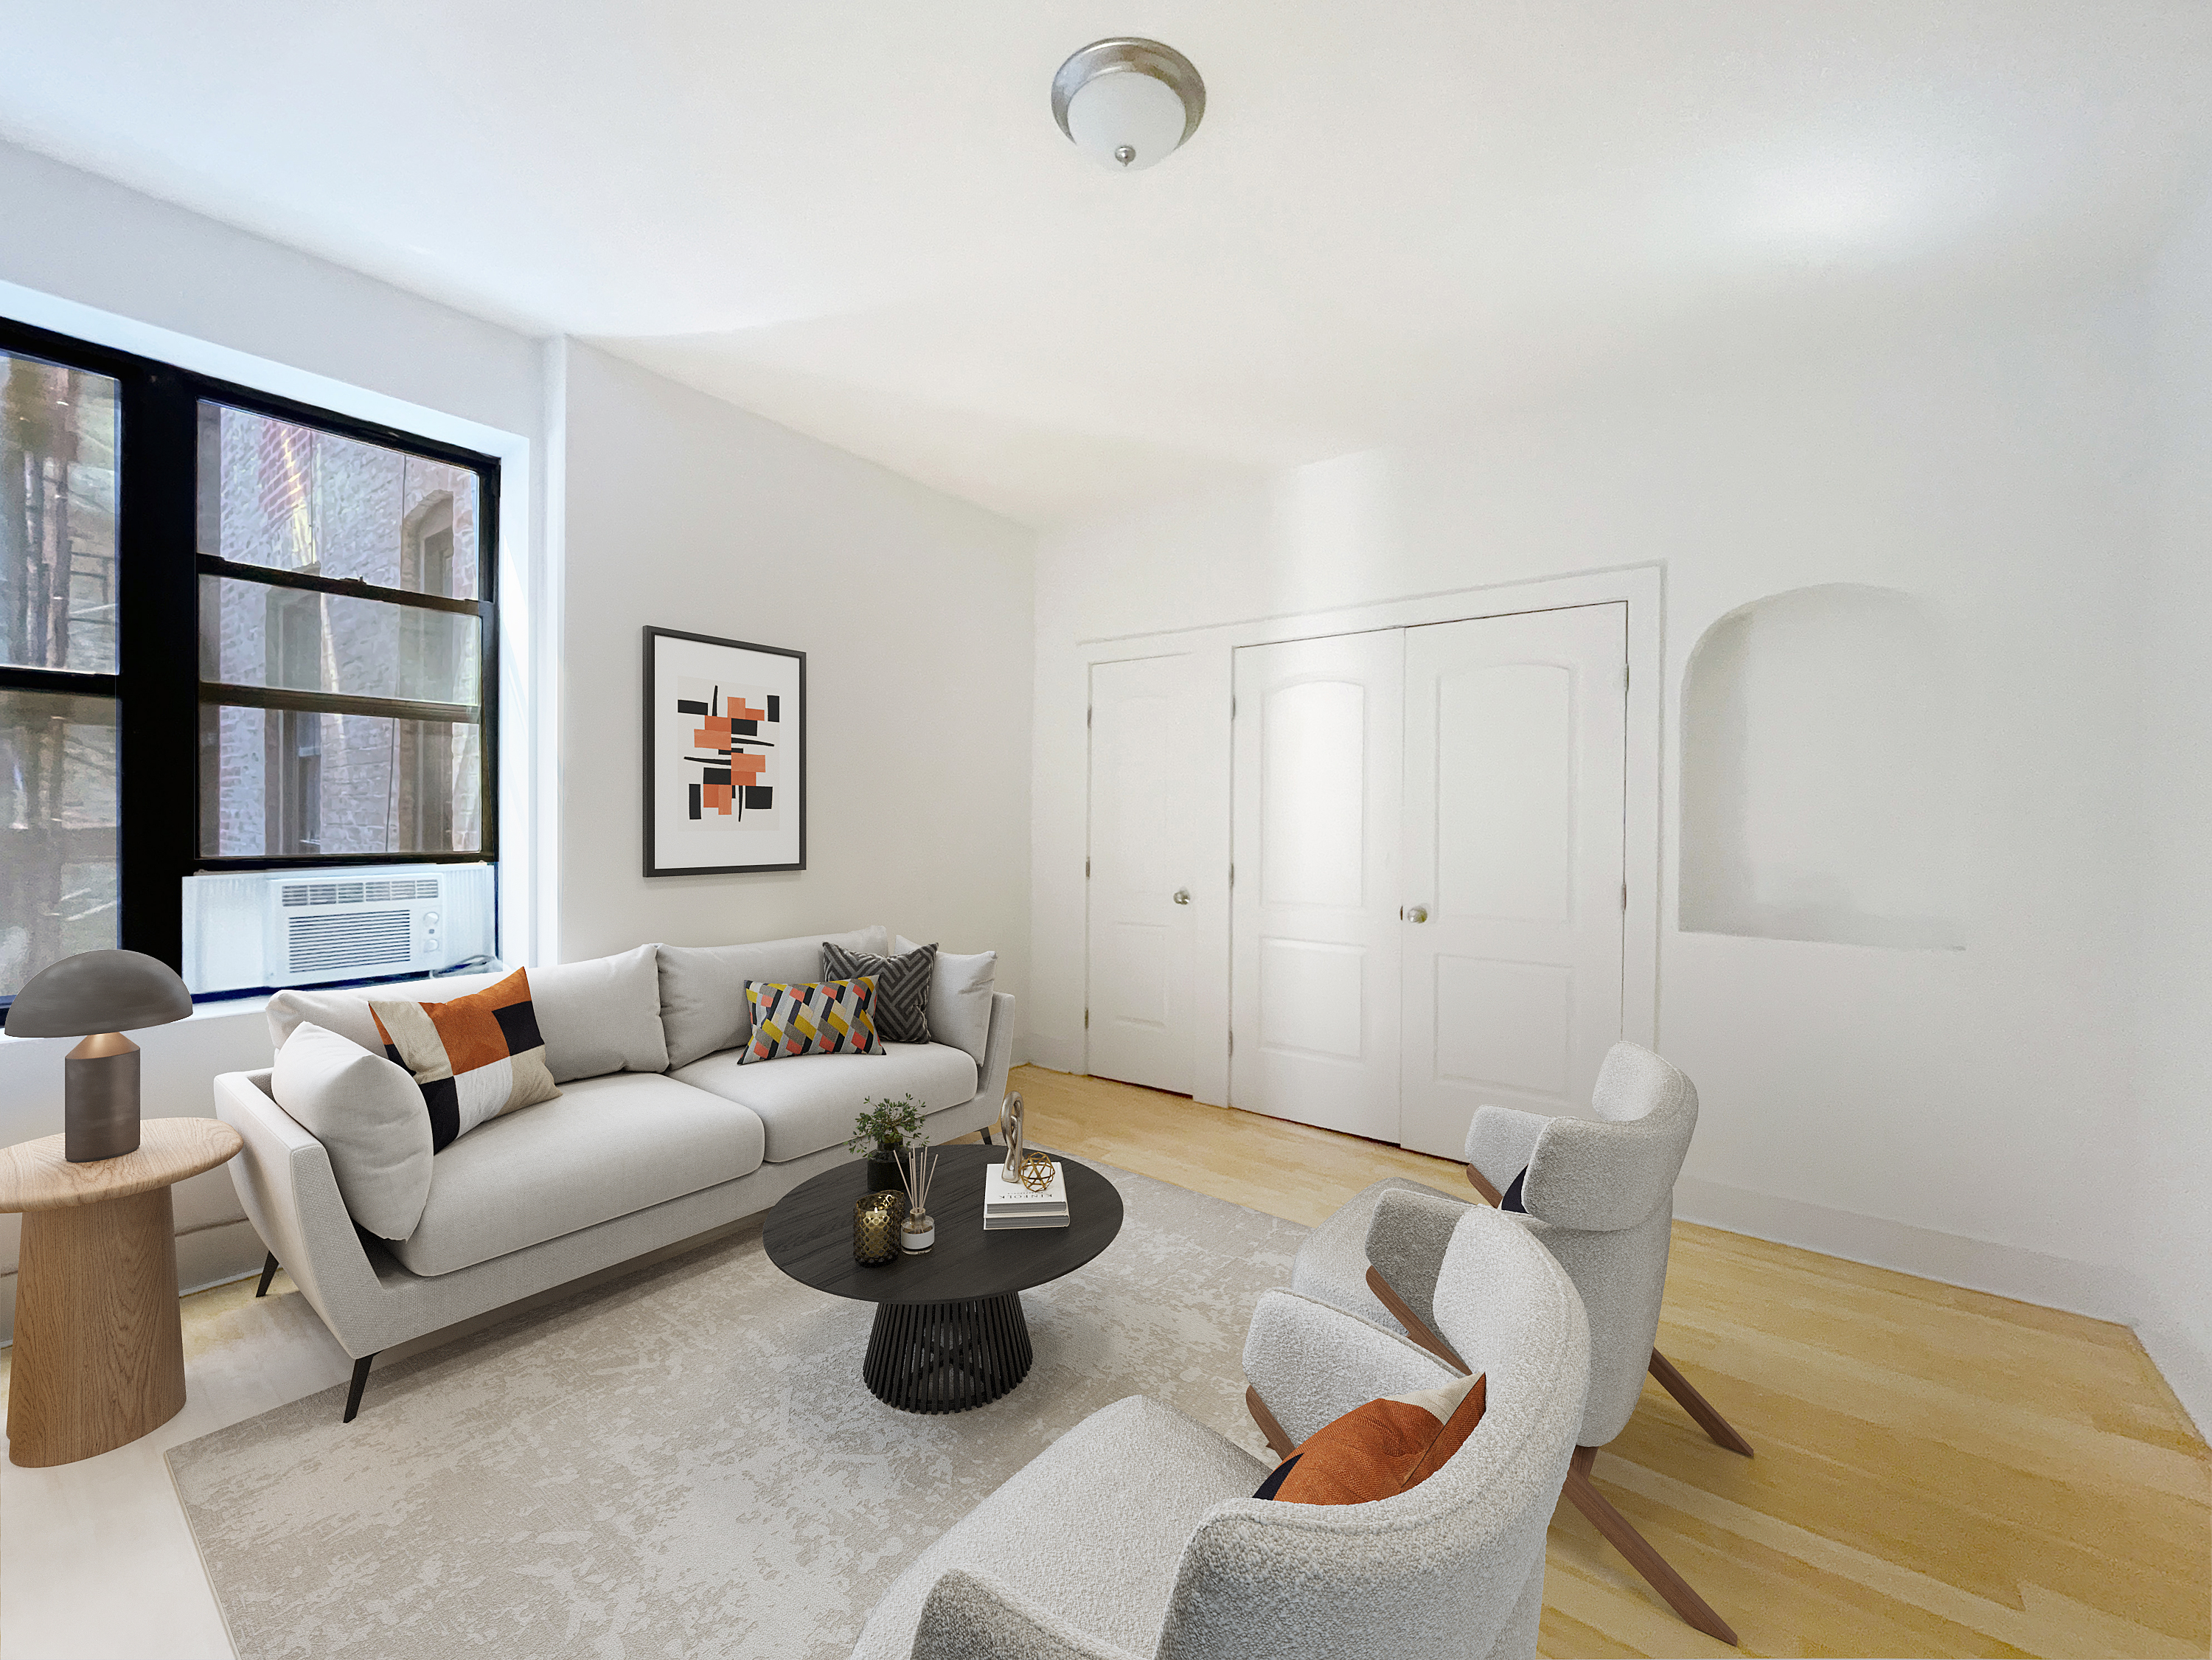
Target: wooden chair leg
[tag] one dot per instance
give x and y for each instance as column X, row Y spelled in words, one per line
column 1623, row 1537
column 267, row 1273
column 1480, row 1184
column 1279, row 1443
column 1416, row 1330
column 1696, row 1406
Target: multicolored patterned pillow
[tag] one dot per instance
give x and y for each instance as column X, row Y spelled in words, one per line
column 473, row 1059
column 1380, row 1449
column 828, row 1017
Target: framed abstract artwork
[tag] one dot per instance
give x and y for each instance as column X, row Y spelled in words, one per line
column 725, row 755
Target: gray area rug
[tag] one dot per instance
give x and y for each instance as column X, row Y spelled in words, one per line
column 686, row 1463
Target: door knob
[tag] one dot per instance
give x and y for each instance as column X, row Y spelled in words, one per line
column 1415, row 913
column 1182, row 895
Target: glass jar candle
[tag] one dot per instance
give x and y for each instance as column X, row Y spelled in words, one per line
column 876, row 1220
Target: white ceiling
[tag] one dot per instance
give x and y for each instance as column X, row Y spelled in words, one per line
column 858, row 218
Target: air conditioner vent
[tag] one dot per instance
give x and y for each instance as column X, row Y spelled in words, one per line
column 358, row 893
column 361, row 939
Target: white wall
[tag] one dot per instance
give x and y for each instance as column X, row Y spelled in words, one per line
column 84, row 256
column 2167, row 1190
column 1949, row 1111
column 913, row 610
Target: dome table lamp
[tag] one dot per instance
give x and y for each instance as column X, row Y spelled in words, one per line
column 96, row 995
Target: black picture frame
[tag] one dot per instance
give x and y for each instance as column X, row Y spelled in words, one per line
column 657, row 784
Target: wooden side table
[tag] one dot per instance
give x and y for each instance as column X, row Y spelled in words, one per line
column 100, row 1347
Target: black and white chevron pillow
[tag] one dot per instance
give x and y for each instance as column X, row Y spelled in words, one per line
column 902, row 988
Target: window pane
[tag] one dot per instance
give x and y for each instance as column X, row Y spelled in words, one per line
column 279, row 783
column 278, row 494
column 57, row 795
column 58, row 430
column 252, row 635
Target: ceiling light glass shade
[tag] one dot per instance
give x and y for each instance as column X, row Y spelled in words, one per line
column 1128, row 104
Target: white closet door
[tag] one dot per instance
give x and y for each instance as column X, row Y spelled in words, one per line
column 1143, row 798
column 1318, row 741
column 1516, row 789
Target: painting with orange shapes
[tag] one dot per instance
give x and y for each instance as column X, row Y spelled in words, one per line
column 734, row 733
column 727, row 778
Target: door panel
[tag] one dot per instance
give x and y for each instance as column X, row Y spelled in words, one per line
column 1313, row 818
column 1312, row 997
column 1319, row 751
column 1503, row 1024
column 1142, row 790
column 1515, row 789
column 1505, row 792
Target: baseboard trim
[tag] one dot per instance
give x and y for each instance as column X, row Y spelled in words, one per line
column 2183, row 1359
column 212, row 1256
column 1055, row 1054
column 2099, row 1290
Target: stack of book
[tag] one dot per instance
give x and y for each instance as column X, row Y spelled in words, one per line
column 1012, row 1205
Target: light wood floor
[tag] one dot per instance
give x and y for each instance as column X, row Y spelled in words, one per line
column 1939, row 1471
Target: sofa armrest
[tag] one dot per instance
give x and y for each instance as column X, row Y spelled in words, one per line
column 290, row 1194
column 997, row 1051
column 971, row 1617
column 1312, row 1363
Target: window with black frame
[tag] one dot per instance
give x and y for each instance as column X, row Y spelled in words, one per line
column 340, row 646
column 309, row 762
column 59, row 768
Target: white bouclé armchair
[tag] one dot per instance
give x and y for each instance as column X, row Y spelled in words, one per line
column 1598, row 1194
column 1135, row 1535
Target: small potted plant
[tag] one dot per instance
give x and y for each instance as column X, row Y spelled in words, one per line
column 880, row 1132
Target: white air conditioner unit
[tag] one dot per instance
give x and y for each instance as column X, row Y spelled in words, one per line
column 302, row 927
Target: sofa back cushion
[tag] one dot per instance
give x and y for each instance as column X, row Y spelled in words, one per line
column 368, row 1113
column 703, row 987
column 960, row 998
column 599, row 1016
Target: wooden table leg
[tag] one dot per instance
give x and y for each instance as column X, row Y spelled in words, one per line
column 100, row 1351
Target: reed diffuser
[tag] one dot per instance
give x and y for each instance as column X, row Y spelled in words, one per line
column 918, row 1169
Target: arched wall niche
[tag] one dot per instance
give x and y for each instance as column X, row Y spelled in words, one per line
column 1820, row 772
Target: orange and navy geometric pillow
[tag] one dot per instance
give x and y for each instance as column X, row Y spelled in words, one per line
column 1380, row 1449
column 473, row 1058
column 828, row 1017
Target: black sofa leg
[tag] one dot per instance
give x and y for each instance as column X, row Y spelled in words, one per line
column 267, row 1273
column 360, row 1383
column 985, row 1133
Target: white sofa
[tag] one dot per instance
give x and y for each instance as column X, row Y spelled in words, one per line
column 657, row 1134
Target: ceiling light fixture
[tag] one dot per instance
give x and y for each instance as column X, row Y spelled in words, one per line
column 1128, row 103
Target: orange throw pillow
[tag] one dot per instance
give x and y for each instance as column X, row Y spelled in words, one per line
column 473, row 1059
column 1380, row 1449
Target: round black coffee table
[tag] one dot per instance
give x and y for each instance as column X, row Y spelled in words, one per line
column 949, row 1332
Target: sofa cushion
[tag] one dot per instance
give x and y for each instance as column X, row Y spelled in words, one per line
column 703, row 987
column 368, row 1113
column 606, row 1147
column 809, row 1102
column 597, row 1016
column 960, row 998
